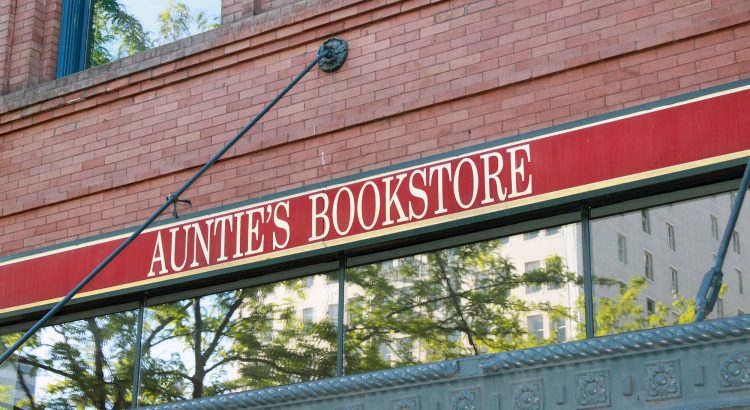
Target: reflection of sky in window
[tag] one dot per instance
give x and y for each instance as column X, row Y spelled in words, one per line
column 43, row 378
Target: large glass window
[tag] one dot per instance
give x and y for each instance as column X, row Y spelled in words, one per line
column 628, row 299
column 95, row 32
column 243, row 339
column 462, row 301
column 86, row 364
column 438, row 303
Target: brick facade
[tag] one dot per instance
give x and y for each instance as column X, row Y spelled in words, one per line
column 100, row 150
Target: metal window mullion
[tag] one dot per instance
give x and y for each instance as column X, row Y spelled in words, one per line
column 86, row 30
column 137, row 363
column 588, row 279
column 340, row 320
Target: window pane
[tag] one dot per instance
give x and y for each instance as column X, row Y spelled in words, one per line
column 670, row 275
column 645, row 221
column 648, row 268
column 243, row 339
column 125, row 27
column 463, row 301
column 83, row 364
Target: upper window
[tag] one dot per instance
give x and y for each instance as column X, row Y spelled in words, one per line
column 645, row 221
column 648, row 262
column 670, row 237
column 736, row 242
column 714, row 227
column 622, row 249
column 95, row 32
column 531, row 267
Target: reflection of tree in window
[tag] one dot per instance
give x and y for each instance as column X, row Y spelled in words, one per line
column 625, row 313
column 448, row 303
column 117, row 33
column 531, row 267
column 242, row 339
column 82, row 364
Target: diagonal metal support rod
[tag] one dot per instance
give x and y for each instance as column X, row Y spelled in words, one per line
column 708, row 293
column 330, row 57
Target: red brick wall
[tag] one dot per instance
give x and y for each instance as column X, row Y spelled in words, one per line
column 235, row 10
column 29, row 31
column 422, row 78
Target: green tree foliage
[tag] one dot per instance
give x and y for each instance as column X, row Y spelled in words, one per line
column 89, row 362
column 116, row 33
column 233, row 345
column 443, row 305
column 177, row 21
column 624, row 313
column 112, row 24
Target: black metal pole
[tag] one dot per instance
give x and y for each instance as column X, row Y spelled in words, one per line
column 708, row 293
column 329, row 53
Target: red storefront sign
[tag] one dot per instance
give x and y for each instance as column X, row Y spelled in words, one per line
column 703, row 131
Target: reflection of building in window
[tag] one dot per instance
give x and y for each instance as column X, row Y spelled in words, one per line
column 676, row 272
column 553, row 231
column 307, row 315
column 714, row 227
column 530, row 267
column 736, row 242
column 622, row 249
column 333, row 312
column 670, row 237
column 559, row 326
column 535, row 325
column 645, row 221
column 648, row 265
column 740, row 285
column 405, row 348
column 385, row 352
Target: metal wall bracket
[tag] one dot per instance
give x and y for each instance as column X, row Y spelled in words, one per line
column 174, row 200
column 335, row 51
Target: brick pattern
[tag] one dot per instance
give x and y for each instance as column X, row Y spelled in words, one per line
column 421, row 79
column 236, row 10
column 268, row 5
column 29, row 60
column 7, row 28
